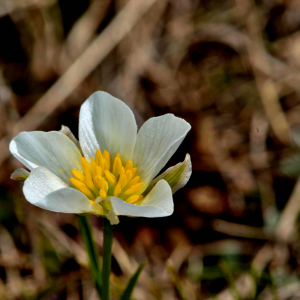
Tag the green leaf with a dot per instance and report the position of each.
(87, 235)
(132, 282)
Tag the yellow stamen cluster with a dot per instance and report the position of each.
(99, 178)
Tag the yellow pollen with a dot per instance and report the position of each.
(110, 177)
(89, 181)
(133, 189)
(129, 165)
(103, 164)
(98, 180)
(105, 176)
(99, 171)
(102, 193)
(106, 156)
(90, 184)
(128, 175)
(87, 169)
(117, 166)
(78, 175)
(122, 171)
(98, 157)
(82, 188)
(102, 184)
(134, 181)
(117, 190)
(133, 199)
(133, 171)
(122, 181)
(93, 166)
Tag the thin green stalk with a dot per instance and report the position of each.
(87, 235)
(106, 263)
(132, 282)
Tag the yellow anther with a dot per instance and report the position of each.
(103, 164)
(101, 182)
(107, 158)
(87, 169)
(99, 171)
(117, 190)
(133, 181)
(117, 166)
(128, 175)
(141, 197)
(133, 199)
(102, 193)
(98, 156)
(133, 189)
(105, 185)
(89, 182)
(122, 181)
(133, 171)
(93, 166)
(110, 177)
(78, 175)
(129, 165)
(83, 188)
(122, 171)
(98, 180)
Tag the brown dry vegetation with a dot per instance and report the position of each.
(231, 69)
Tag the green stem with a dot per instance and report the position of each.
(107, 246)
(87, 235)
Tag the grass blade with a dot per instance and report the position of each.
(106, 260)
(87, 235)
(132, 282)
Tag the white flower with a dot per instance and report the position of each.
(111, 170)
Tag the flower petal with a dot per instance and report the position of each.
(157, 141)
(52, 150)
(19, 174)
(158, 203)
(176, 176)
(106, 123)
(44, 189)
(67, 132)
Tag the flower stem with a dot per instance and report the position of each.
(87, 235)
(107, 246)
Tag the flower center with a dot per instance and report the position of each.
(100, 178)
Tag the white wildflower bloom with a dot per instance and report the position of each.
(111, 170)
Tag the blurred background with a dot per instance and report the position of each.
(231, 69)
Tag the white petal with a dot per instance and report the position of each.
(52, 150)
(176, 176)
(106, 123)
(19, 174)
(157, 141)
(67, 131)
(44, 189)
(158, 203)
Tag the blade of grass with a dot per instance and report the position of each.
(106, 261)
(176, 281)
(87, 235)
(132, 282)
(227, 274)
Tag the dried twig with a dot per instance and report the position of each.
(80, 69)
